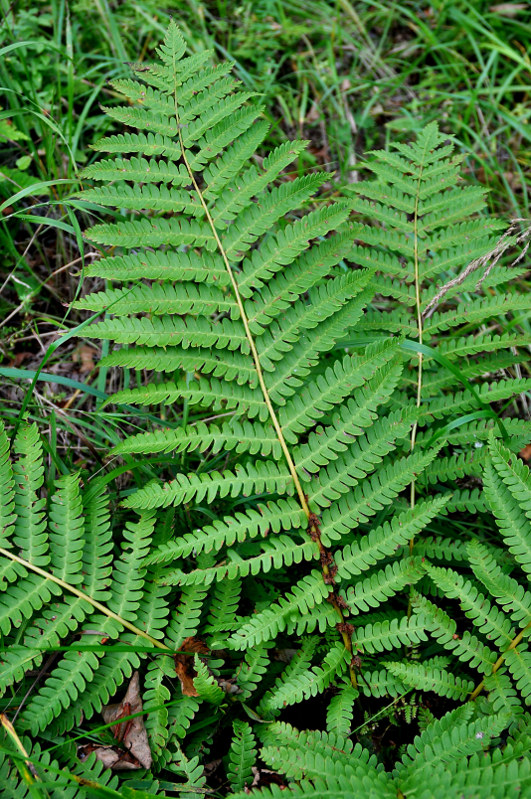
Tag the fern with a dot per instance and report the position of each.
(242, 756)
(422, 240)
(277, 530)
(451, 757)
(497, 604)
(340, 711)
(249, 294)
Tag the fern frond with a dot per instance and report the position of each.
(260, 477)
(367, 550)
(7, 490)
(373, 495)
(476, 605)
(155, 698)
(340, 711)
(206, 684)
(284, 514)
(229, 365)
(292, 611)
(309, 683)
(243, 436)
(336, 384)
(242, 756)
(161, 265)
(298, 665)
(505, 590)
(227, 270)
(467, 647)
(378, 587)
(445, 742)
(280, 551)
(355, 415)
(253, 669)
(224, 601)
(518, 662)
(361, 458)
(184, 621)
(382, 683)
(502, 694)
(500, 488)
(425, 678)
(389, 634)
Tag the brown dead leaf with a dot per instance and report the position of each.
(264, 777)
(184, 663)
(19, 358)
(84, 355)
(508, 9)
(314, 114)
(111, 757)
(525, 453)
(133, 751)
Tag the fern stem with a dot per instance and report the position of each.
(514, 643)
(95, 604)
(420, 334)
(26, 770)
(313, 527)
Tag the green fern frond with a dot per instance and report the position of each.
(392, 633)
(340, 711)
(426, 678)
(206, 685)
(476, 606)
(244, 436)
(184, 621)
(284, 514)
(445, 742)
(502, 694)
(155, 700)
(367, 550)
(297, 666)
(310, 683)
(500, 487)
(260, 477)
(224, 601)
(291, 612)
(280, 551)
(253, 669)
(378, 587)
(421, 239)
(506, 590)
(466, 646)
(242, 756)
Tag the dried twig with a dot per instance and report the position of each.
(488, 261)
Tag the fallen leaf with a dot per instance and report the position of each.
(525, 453)
(264, 777)
(84, 355)
(184, 663)
(133, 751)
(508, 9)
(111, 757)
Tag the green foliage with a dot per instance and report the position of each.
(450, 757)
(277, 531)
(426, 243)
(242, 756)
(284, 302)
(496, 603)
